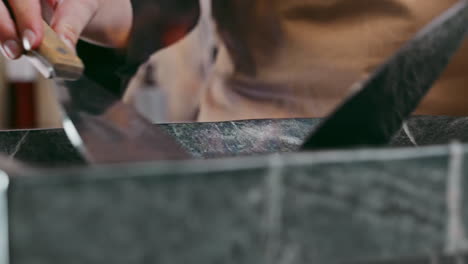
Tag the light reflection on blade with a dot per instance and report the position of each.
(105, 130)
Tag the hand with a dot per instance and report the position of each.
(105, 22)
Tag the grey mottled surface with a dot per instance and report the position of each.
(202, 140)
(208, 140)
(434, 130)
(321, 207)
(295, 208)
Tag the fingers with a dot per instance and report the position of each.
(71, 17)
(28, 19)
(21, 26)
(9, 41)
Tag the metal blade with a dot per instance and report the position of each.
(374, 114)
(105, 130)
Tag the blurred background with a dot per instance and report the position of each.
(27, 100)
(222, 69)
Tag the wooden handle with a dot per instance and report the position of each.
(64, 60)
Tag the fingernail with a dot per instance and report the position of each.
(28, 39)
(12, 49)
(67, 42)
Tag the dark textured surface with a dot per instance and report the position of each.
(174, 218)
(433, 130)
(380, 208)
(322, 207)
(202, 140)
(295, 208)
(40, 147)
(210, 140)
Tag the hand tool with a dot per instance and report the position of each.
(99, 125)
(377, 111)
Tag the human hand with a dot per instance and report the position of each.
(105, 22)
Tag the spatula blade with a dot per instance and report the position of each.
(105, 130)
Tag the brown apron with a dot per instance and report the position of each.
(295, 58)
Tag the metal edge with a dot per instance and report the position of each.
(42, 65)
(74, 136)
(62, 95)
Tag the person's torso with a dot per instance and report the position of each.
(300, 58)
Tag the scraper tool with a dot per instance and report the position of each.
(99, 125)
(373, 115)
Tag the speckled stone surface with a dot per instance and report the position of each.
(321, 207)
(333, 207)
(202, 140)
(39, 147)
(433, 130)
(208, 140)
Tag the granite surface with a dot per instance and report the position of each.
(225, 139)
(40, 147)
(332, 207)
(202, 140)
(256, 207)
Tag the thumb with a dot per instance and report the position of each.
(71, 17)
